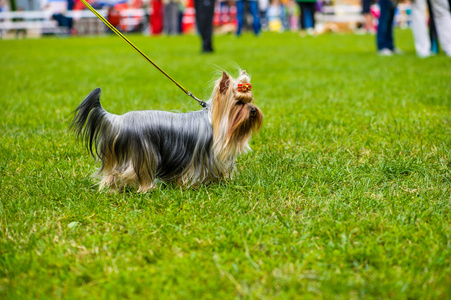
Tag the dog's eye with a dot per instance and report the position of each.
(240, 103)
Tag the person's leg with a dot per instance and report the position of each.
(166, 24)
(432, 29)
(367, 16)
(263, 20)
(303, 8)
(312, 13)
(204, 20)
(442, 17)
(210, 8)
(157, 18)
(308, 17)
(392, 7)
(384, 35)
(239, 16)
(253, 9)
(174, 17)
(419, 28)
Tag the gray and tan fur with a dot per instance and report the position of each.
(190, 148)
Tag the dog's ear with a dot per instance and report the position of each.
(224, 84)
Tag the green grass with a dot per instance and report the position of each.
(346, 194)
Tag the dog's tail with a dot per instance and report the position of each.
(90, 122)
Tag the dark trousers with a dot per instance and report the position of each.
(307, 19)
(432, 29)
(204, 20)
(385, 27)
(240, 15)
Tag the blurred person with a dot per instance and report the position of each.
(204, 20)
(432, 30)
(441, 15)
(63, 21)
(171, 17)
(156, 20)
(263, 6)
(224, 12)
(253, 9)
(367, 16)
(227, 16)
(114, 17)
(307, 19)
(292, 15)
(182, 6)
(275, 16)
(384, 35)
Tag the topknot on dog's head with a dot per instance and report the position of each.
(243, 88)
(243, 78)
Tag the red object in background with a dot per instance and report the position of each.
(137, 4)
(189, 17)
(119, 8)
(114, 17)
(156, 20)
(78, 5)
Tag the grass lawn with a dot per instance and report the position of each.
(346, 194)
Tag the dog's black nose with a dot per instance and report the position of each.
(253, 111)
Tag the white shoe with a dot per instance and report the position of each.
(426, 55)
(385, 52)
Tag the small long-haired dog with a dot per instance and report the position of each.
(185, 148)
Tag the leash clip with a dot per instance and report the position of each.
(202, 103)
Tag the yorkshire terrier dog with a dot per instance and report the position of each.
(139, 147)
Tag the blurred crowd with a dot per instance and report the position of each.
(427, 18)
(178, 16)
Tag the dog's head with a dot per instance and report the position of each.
(234, 115)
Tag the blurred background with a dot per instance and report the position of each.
(37, 18)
